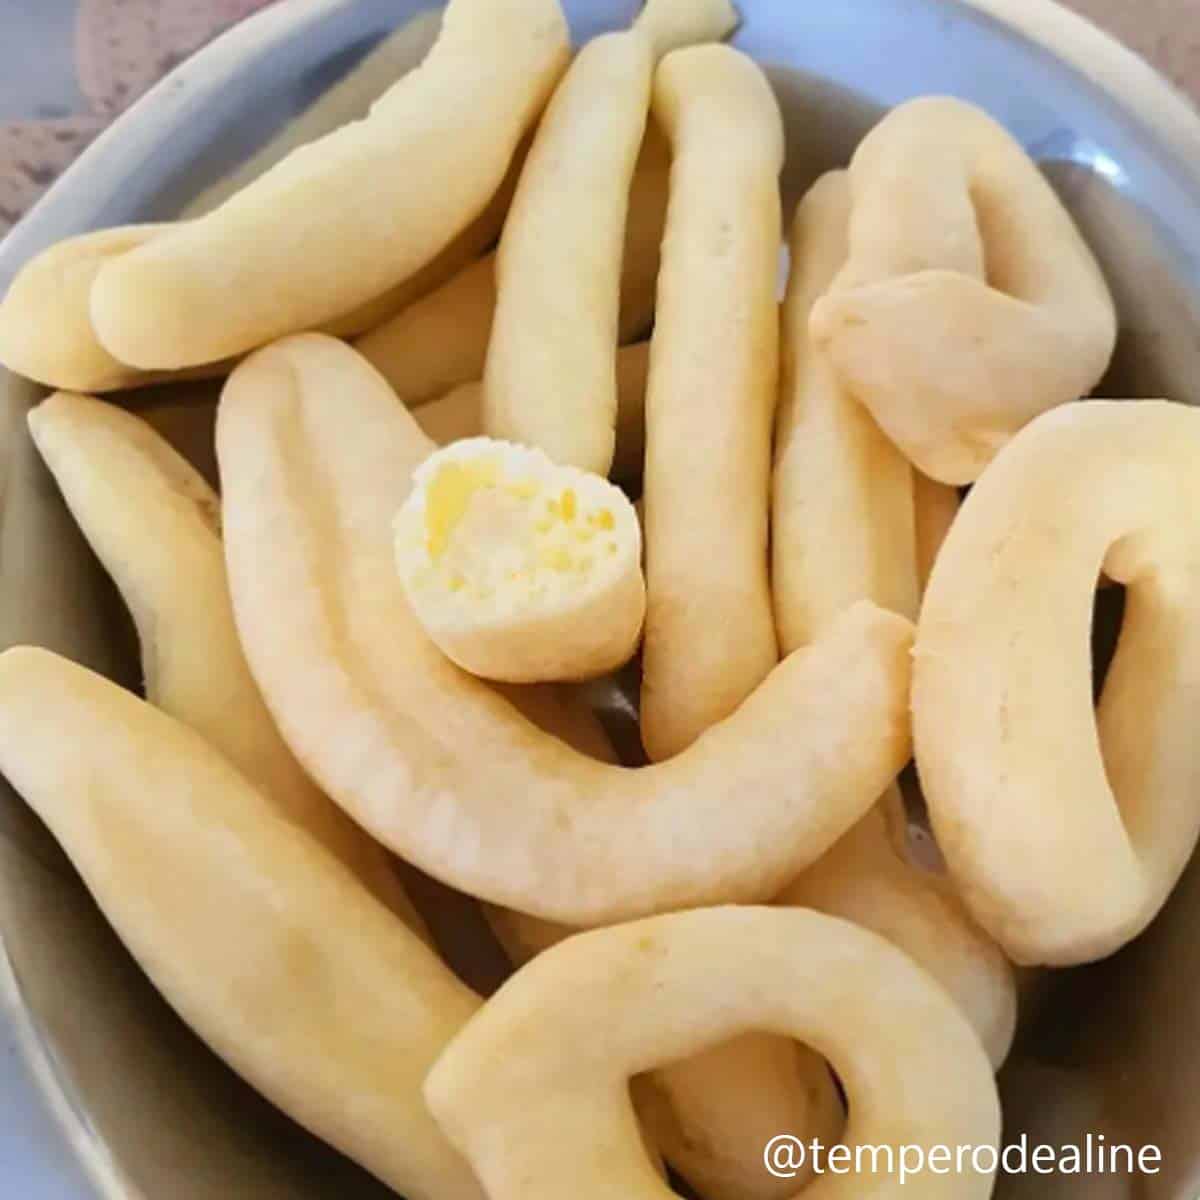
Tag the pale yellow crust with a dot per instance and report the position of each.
(842, 523)
(550, 377)
(459, 413)
(970, 302)
(534, 1090)
(550, 380)
(154, 524)
(845, 530)
(261, 940)
(45, 327)
(710, 399)
(288, 253)
(867, 878)
(46, 331)
(712, 1113)
(442, 340)
(441, 769)
(1066, 827)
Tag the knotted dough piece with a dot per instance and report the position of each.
(444, 771)
(258, 937)
(518, 569)
(1067, 827)
(710, 399)
(289, 252)
(534, 1090)
(970, 302)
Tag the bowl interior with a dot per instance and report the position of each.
(149, 1111)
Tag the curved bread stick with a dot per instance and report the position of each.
(441, 769)
(154, 524)
(289, 252)
(550, 379)
(261, 940)
(1066, 826)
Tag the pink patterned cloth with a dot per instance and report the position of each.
(121, 48)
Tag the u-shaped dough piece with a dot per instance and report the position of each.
(845, 531)
(550, 379)
(1065, 827)
(288, 252)
(970, 303)
(439, 767)
(261, 940)
(154, 524)
(712, 1113)
(534, 1090)
(710, 400)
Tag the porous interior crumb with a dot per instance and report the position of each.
(498, 527)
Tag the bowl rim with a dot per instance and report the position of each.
(1129, 81)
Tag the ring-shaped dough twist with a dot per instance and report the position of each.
(970, 302)
(534, 1091)
(1066, 827)
(441, 340)
(438, 766)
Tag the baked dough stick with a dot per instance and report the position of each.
(1066, 827)
(970, 302)
(550, 380)
(535, 1089)
(154, 524)
(46, 329)
(444, 771)
(842, 523)
(261, 940)
(343, 219)
(442, 340)
(710, 635)
(459, 414)
(844, 532)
